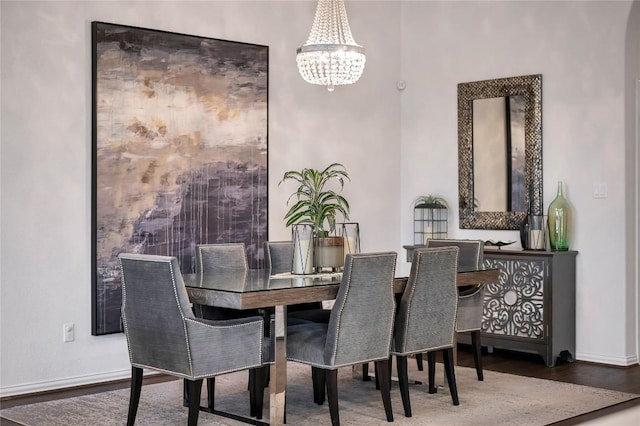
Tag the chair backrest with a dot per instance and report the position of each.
(361, 322)
(427, 312)
(471, 251)
(278, 256)
(220, 258)
(154, 306)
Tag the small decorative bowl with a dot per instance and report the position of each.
(498, 244)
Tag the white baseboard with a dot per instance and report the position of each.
(68, 382)
(603, 359)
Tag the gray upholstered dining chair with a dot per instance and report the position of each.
(221, 258)
(426, 317)
(278, 259)
(278, 256)
(470, 298)
(164, 335)
(355, 333)
(216, 259)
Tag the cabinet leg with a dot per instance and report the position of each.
(566, 356)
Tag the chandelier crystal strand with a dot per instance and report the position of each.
(330, 57)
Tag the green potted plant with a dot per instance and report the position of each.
(430, 201)
(318, 202)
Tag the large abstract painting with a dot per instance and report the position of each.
(179, 151)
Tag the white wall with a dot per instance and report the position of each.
(46, 157)
(632, 157)
(396, 145)
(579, 48)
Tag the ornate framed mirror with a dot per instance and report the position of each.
(499, 151)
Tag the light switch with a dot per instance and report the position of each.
(68, 332)
(600, 190)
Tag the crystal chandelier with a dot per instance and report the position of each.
(330, 57)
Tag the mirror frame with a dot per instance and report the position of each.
(530, 87)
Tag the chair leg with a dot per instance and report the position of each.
(195, 390)
(262, 379)
(451, 375)
(385, 387)
(419, 362)
(365, 372)
(134, 398)
(476, 346)
(377, 375)
(318, 376)
(252, 392)
(431, 362)
(211, 393)
(256, 394)
(332, 395)
(185, 393)
(403, 383)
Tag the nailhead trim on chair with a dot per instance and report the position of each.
(184, 327)
(348, 283)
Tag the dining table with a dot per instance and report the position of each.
(257, 288)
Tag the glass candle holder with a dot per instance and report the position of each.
(537, 233)
(350, 232)
(302, 237)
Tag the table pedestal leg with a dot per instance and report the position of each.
(278, 380)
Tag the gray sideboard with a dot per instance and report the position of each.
(532, 308)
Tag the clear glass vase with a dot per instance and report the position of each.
(559, 222)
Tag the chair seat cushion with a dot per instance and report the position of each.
(313, 315)
(294, 320)
(469, 315)
(306, 342)
(218, 313)
(304, 306)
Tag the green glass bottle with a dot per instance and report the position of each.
(559, 221)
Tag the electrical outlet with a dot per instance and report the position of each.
(68, 332)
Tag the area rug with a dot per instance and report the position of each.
(501, 399)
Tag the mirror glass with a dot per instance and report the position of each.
(500, 151)
(498, 154)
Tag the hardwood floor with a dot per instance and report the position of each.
(623, 379)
